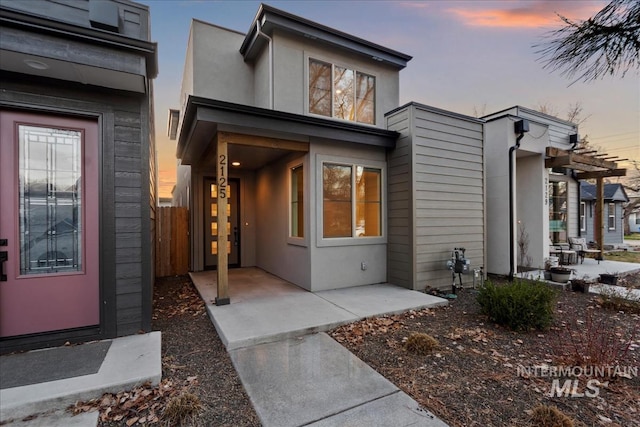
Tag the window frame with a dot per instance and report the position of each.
(583, 216)
(356, 71)
(611, 218)
(354, 240)
(295, 240)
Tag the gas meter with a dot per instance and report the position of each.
(458, 264)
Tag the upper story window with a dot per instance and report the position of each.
(612, 216)
(340, 92)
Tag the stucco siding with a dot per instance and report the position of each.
(273, 252)
(291, 55)
(219, 71)
(337, 263)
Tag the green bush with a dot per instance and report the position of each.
(521, 305)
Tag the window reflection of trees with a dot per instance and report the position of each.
(558, 211)
(337, 201)
(348, 94)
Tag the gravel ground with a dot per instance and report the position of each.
(191, 347)
(471, 378)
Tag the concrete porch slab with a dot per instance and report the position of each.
(377, 300)
(130, 361)
(590, 269)
(310, 379)
(265, 308)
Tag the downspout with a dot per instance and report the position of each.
(573, 140)
(574, 175)
(270, 40)
(521, 127)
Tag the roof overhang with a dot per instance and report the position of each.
(587, 165)
(269, 18)
(67, 69)
(204, 118)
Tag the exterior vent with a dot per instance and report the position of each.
(103, 14)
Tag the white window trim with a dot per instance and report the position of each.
(609, 216)
(583, 217)
(334, 62)
(292, 240)
(322, 241)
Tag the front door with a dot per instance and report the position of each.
(211, 244)
(48, 223)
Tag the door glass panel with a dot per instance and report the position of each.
(50, 200)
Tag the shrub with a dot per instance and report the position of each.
(594, 341)
(520, 305)
(420, 343)
(615, 300)
(550, 416)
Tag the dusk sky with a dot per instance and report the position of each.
(468, 57)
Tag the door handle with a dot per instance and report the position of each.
(4, 256)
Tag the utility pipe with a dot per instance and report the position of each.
(512, 232)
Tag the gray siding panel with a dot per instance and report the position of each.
(399, 207)
(449, 195)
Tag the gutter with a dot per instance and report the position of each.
(260, 33)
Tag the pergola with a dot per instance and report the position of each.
(589, 164)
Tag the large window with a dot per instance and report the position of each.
(558, 211)
(612, 216)
(297, 202)
(352, 201)
(341, 92)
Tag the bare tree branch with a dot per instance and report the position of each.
(606, 44)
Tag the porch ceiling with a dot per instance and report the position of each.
(587, 164)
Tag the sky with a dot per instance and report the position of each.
(471, 57)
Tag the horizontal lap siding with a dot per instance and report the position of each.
(128, 220)
(449, 194)
(399, 203)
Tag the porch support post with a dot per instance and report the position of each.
(222, 163)
(598, 229)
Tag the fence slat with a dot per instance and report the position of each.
(172, 241)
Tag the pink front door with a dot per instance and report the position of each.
(49, 220)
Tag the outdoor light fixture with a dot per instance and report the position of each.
(521, 126)
(235, 163)
(36, 65)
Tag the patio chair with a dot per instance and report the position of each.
(579, 244)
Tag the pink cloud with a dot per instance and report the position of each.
(532, 14)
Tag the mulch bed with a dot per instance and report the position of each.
(472, 378)
(194, 363)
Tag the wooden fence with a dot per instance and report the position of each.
(172, 241)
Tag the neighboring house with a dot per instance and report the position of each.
(614, 199)
(78, 172)
(328, 182)
(634, 222)
(164, 202)
(544, 205)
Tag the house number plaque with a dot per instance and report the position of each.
(222, 178)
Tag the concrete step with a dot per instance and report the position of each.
(58, 419)
(129, 362)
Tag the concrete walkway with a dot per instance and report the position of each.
(297, 377)
(590, 269)
(129, 362)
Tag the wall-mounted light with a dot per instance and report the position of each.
(235, 164)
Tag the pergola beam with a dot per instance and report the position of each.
(601, 174)
(575, 160)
